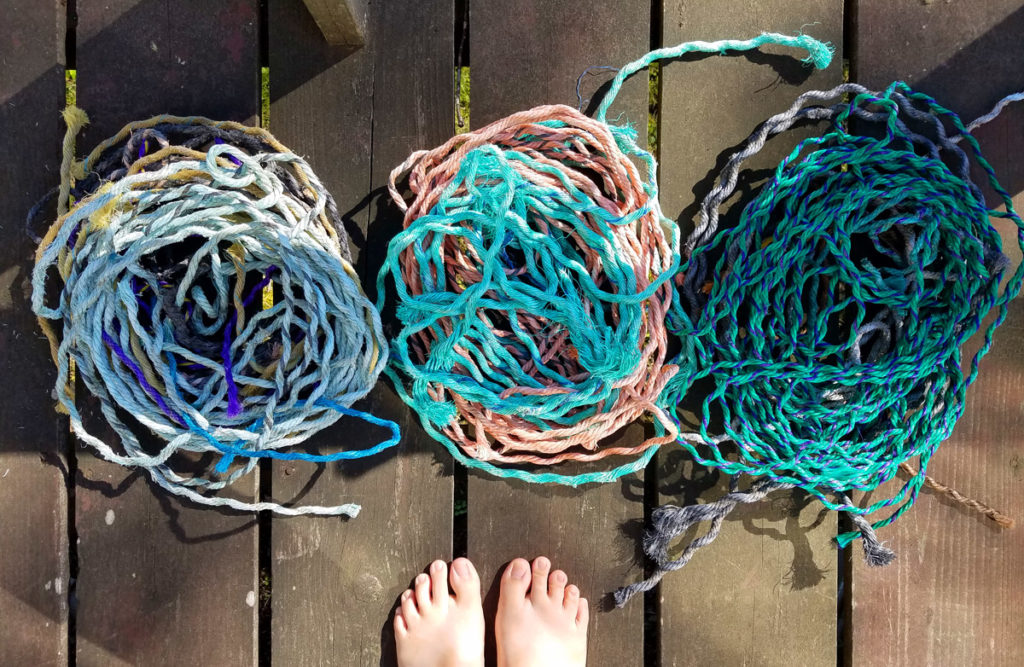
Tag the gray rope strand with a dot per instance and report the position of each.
(670, 521)
(996, 110)
(876, 554)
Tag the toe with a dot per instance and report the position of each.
(571, 601)
(409, 612)
(556, 586)
(401, 629)
(465, 582)
(583, 615)
(515, 581)
(439, 584)
(539, 585)
(421, 591)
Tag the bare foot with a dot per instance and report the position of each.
(435, 629)
(545, 626)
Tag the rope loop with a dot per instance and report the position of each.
(201, 287)
(532, 280)
(830, 321)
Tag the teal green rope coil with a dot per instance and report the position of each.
(152, 288)
(830, 320)
(532, 281)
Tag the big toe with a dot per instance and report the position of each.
(515, 581)
(465, 582)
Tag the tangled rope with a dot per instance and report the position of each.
(533, 281)
(831, 318)
(153, 285)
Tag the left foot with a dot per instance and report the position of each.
(436, 629)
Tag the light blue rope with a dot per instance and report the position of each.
(149, 303)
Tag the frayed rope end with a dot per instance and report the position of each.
(75, 118)
(819, 54)
(877, 554)
(1003, 521)
(621, 597)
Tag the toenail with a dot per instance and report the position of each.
(461, 568)
(437, 566)
(573, 591)
(542, 563)
(519, 570)
(559, 577)
(406, 595)
(421, 578)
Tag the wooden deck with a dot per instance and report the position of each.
(97, 567)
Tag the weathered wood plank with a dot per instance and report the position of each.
(161, 582)
(525, 53)
(33, 438)
(340, 21)
(765, 591)
(953, 596)
(335, 583)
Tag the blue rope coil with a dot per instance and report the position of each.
(200, 285)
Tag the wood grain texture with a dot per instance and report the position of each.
(335, 583)
(161, 582)
(764, 592)
(953, 597)
(340, 21)
(33, 439)
(525, 53)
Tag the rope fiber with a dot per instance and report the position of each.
(830, 320)
(532, 280)
(152, 285)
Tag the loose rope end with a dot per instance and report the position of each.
(1004, 521)
(877, 554)
(819, 53)
(624, 594)
(999, 518)
(75, 119)
(224, 464)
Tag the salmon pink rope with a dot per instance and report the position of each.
(533, 277)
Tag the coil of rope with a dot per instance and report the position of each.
(831, 318)
(152, 282)
(532, 281)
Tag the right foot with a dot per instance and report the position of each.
(540, 620)
(436, 629)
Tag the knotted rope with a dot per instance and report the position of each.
(831, 318)
(152, 285)
(533, 280)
